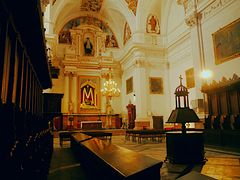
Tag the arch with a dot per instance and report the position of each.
(111, 40)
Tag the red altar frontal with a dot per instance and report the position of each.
(91, 121)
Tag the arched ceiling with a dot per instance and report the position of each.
(113, 12)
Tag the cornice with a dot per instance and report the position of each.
(139, 50)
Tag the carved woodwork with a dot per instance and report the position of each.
(131, 115)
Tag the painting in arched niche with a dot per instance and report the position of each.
(127, 33)
(152, 25)
(65, 37)
(88, 95)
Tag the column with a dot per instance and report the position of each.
(193, 20)
(66, 93)
(141, 90)
(74, 93)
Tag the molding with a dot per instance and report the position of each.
(214, 7)
(138, 50)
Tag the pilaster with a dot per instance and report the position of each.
(66, 92)
(74, 93)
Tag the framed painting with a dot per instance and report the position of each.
(226, 42)
(156, 85)
(129, 85)
(190, 78)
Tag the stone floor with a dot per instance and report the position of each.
(222, 165)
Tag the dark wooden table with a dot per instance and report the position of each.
(80, 137)
(114, 162)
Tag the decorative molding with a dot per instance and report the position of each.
(193, 19)
(224, 83)
(195, 10)
(213, 7)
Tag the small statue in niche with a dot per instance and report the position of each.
(153, 23)
(88, 47)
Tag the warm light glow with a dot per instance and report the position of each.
(110, 89)
(206, 74)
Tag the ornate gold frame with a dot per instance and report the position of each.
(129, 85)
(225, 42)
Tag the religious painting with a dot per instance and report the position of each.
(129, 85)
(156, 85)
(152, 25)
(226, 42)
(89, 93)
(64, 35)
(132, 5)
(53, 2)
(91, 5)
(111, 41)
(127, 33)
(190, 78)
(88, 44)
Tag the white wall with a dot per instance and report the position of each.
(217, 20)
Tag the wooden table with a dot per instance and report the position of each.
(114, 162)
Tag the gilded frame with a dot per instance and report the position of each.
(226, 42)
(129, 85)
(190, 79)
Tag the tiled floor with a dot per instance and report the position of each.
(219, 165)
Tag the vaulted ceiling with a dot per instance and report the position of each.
(115, 13)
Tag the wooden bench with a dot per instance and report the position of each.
(109, 161)
(139, 135)
(65, 136)
(75, 140)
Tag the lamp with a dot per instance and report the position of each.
(110, 90)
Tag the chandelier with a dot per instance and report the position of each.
(109, 90)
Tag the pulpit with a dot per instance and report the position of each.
(184, 146)
(131, 115)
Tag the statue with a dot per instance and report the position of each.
(153, 23)
(70, 108)
(88, 47)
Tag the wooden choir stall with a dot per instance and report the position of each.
(222, 125)
(27, 143)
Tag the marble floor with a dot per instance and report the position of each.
(222, 165)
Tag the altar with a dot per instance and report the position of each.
(91, 121)
(86, 125)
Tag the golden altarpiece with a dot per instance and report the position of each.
(84, 41)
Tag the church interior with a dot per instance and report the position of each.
(120, 89)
